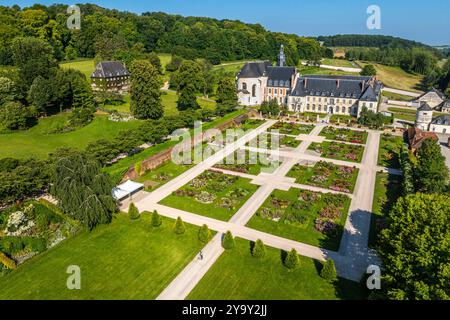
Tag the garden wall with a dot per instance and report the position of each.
(162, 157)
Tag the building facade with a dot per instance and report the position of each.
(343, 95)
(433, 98)
(111, 76)
(426, 122)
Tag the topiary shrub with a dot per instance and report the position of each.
(228, 241)
(179, 227)
(204, 234)
(7, 262)
(259, 250)
(292, 261)
(156, 219)
(328, 271)
(133, 212)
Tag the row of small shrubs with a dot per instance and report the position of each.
(292, 260)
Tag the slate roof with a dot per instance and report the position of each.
(442, 120)
(438, 92)
(444, 105)
(254, 69)
(280, 76)
(424, 107)
(336, 86)
(110, 69)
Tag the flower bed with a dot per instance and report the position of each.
(346, 135)
(326, 175)
(304, 216)
(338, 151)
(249, 162)
(291, 128)
(389, 153)
(212, 194)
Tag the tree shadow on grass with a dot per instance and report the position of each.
(332, 239)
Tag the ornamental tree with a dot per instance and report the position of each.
(156, 219)
(259, 250)
(228, 242)
(292, 261)
(133, 212)
(328, 271)
(179, 227)
(204, 234)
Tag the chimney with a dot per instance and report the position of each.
(305, 82)
(338, 82)
(362, 85)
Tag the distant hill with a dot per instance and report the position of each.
(378, 41)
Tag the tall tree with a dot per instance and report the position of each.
(188, 81)
(33, 57)
(83, 191)
(415, 249)
(227, 99)
(145, 91)
(431, 172)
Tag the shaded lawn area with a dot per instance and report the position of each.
(389, 153)
(118, 169)
(345, 135)
(238, 276)
(124, 260)
(212, 194)
(38, 141)
(291, 128)
(338, 151)
(326, 175)
(248, 162)
(295, 214)
(387, 191)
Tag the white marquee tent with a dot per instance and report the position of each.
(126, 190)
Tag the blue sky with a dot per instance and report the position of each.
(424, 21)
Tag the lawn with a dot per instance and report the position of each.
(341, 119)
(389, 153)
(309, 70)
(213, 195)
(395, 77)
(38, 141)
(86, 67)
(326, 175)
(123, 260)
(345, 135)
(396, 96)
(338, 63)
(309, 217)
(153, 179)
(291, 128)
(338, 151)
(387, 191)
(238, 276)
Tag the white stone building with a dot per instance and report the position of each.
(426, 122)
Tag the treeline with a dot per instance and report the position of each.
(107, 33)
(376, 41)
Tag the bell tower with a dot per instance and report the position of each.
(281, 57)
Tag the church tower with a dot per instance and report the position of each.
(281, 57)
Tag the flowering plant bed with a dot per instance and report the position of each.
(291, 128)
(338, 151)
(326, 175)
(212, 194)
(310, 217)
(346, 135)
(249, 162)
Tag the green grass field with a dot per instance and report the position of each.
(123, 260)
(395, 77)
(338, 63)
(239, 276)
(87, 67)
(37, 142)
(396, 96)
(389, 153)
(387, 191)
(308, 70)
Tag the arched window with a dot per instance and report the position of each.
(343, 109)
(254, 90)
(244, 86)
(337, 109)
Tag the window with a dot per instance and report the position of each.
(337, 109)
(343, 109)
(270, 91)
(319, 109)
(307, 107)
(314, 107)
(244, 86)
(254, 90)
(276, 91)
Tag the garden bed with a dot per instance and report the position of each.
(338, 151)
(213, 195)
(326, 175)
(291, 128)
(266, 140)
(345, 135)
(252, 163)
(305, 216)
